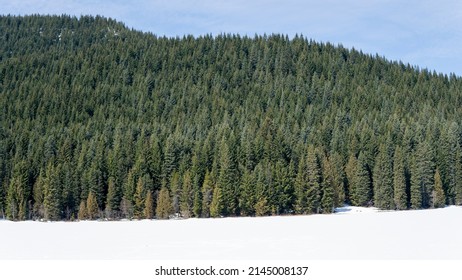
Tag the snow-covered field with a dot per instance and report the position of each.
(352, 233)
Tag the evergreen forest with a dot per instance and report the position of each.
(100, 121)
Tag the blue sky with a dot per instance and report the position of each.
(423, 33)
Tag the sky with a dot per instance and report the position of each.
(423, 33)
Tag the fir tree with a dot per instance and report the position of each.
(51, 191)
(186, 196)
(438, 198)
(314, 182)
(113, 198)
(82, 211)
(92, 207)
(422, 177)
(351, 171)
(164, 206)
(227, 180)
(207, 192)
(216, 206)
(362, 188)
(149, 206)
(247, 195)
(383, 181)
(139, 199)
(399, 180)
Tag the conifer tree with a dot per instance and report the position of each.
(92, 207)
(82, 215)
(399, 180)
(261, 207)
(113, 198)
(149, 206)
(333, 178)
(227, 180)
(207, 192)
(362, 189)
(175, 191)
(38, 195)
(301, 186)
(383, 181)
(314, 181)
(197, 203)
(18, 193)
(350, 171)
(164, 206)
(438, 198)
(216, 206)
(422, 176)
(247, 195)
(450, 149)
(139, 199)
(51, 191)
(186, 202)
(458, 183)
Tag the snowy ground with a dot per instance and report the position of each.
(352, 233)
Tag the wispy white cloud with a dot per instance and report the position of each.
(426, 33)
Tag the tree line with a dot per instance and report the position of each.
(99, 121)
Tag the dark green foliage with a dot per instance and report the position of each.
(422, 176)
(51, 194)
(18, 193)
(438, 198)
(362, 195)
(383, 180)
(90, 106)
(227, 180)
(399, 180)
(164, 205)
(207, 192)
(308, 183)
(216, 205)
(139, 199)
(92, 206)
(149, 206)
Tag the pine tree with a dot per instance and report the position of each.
(38, 195)
(458, 183)
(18, 193)
(314, 181)
(51, 190)
(164, 206)
(448, 157)
(333, 178)
(362, 188)
(350, 171)
(114, 196)
(149, 206)
(139, 200)
(383, 181)
(438, 198)
(261, 207)
(301, 186)
(399, 180)
(186, 201)
(175, 191)
(422, 177)
(82, 211)
(207, 192)
(247, 195)
(92, 207)
(216, 206)
(227, 180)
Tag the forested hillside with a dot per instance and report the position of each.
(100, 121)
